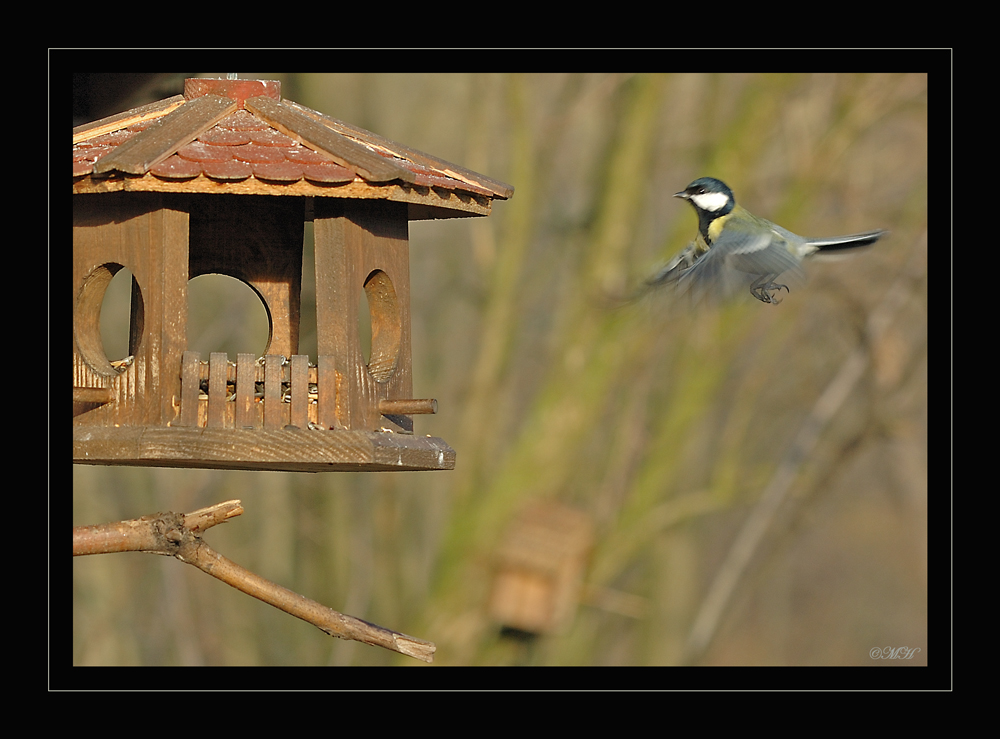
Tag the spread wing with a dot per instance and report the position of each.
(738, 257)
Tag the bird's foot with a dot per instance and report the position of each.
(766, 293)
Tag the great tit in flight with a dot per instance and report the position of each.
(735, 248)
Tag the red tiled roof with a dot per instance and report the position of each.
(227, 131)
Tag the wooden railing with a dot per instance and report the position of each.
(270, 393)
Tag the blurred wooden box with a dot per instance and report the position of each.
(540, 568)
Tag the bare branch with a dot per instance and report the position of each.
(738, 557)
(205, 518)
(179, 535)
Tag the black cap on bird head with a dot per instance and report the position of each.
(710, 198)
(707, 186)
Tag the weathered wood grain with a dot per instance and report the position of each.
(299, 450)
(373, 167)
(156, 143)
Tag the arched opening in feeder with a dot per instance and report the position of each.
(109, 318)
(364, 327)
(226, 314)
(386, 325)
(115, 315)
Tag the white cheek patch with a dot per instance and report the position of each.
(711, 201)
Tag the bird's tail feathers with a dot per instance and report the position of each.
(840, 243)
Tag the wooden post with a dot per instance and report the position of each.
(147, 233)
(363, 245)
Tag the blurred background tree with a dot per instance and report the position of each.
(661, 426)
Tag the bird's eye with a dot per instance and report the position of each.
(701, 191)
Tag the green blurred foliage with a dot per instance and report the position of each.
(663, 425)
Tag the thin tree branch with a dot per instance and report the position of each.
(179, 535)
(748, 540)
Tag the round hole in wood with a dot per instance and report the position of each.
(108, 317)
(226, 314)
(364, 327)
(383, 307)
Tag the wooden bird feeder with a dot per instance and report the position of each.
(222, 180)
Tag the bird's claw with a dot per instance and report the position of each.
(765, 293)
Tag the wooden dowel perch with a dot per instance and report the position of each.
(179, 535)
(99, 395)
(407, 407)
